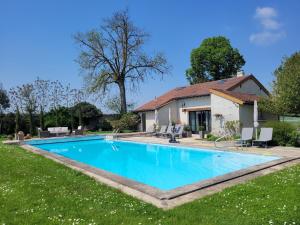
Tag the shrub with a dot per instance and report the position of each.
(187, 128)
(232, 127)
(105, 125)
(128, 121)
(211, 137)
(283, 133)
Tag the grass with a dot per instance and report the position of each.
(36, 190)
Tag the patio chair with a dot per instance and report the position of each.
(247, 135)
(162, 130)
(43, 133)
(168, 131)
(264, 137)
(178, 130)
(78, 131)
(150, 129)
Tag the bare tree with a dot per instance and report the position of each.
(77, 97)
(114, 104)
(25, 97)
(42, 88)
(29, 102)
(56, 97)
(113, 55)
(15, 100)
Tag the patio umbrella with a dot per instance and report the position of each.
(170, 120)
(155, 116)
(255, 117)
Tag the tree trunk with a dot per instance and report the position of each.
(72, 119)
(1, 121)
(17, 121)
(56, 117)
(80, 116)
(42, 122)
(30, 122)
(121, 85)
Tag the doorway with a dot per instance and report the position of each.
(200, 118)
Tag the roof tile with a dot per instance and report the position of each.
(193, 91)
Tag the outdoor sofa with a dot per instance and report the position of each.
(58, 131)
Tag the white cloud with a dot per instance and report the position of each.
(271, 28)
(267, 17)
(266, 37)
(265, 12)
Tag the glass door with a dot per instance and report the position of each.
(200, 118)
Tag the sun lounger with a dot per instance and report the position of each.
(168, 131)
(150, 129)
(264, 137)
(162, 130)
(247, 135)
(78, 131)
(178, 131)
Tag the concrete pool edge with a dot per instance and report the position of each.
(157, 197)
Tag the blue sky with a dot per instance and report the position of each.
(36, 36)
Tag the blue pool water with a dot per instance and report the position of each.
(161, 166)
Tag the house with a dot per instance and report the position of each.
(208, 104)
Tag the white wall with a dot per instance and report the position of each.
(163, 113)
(250, 87)
(228, 109)
(203, 101)
(150, 119)
(246, 115)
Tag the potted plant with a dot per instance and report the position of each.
(201, 130)
(187, 130)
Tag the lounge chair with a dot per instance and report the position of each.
(247, 135)
(264, 137)
(168, 131)
(78, 131)
(178, 131)
(150, 129)
(43, 133)
(162, 130)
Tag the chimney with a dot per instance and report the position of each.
(240, 73)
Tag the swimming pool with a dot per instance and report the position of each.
(161, 166)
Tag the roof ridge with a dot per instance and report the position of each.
(195, 90)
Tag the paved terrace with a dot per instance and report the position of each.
(197, 143)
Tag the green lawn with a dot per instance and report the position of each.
(36, 190)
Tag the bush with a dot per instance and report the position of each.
(283, 133)
(128, 121)
(232, 127)
(211, 137)
(105, 125)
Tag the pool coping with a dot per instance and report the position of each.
(155, 196)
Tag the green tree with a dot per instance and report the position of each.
(214, 59)
(87, 114)
(114, 56)
(285, 97)
(77, 96)
(4, 104)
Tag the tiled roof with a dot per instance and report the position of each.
(237, 97)
(194, 91)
